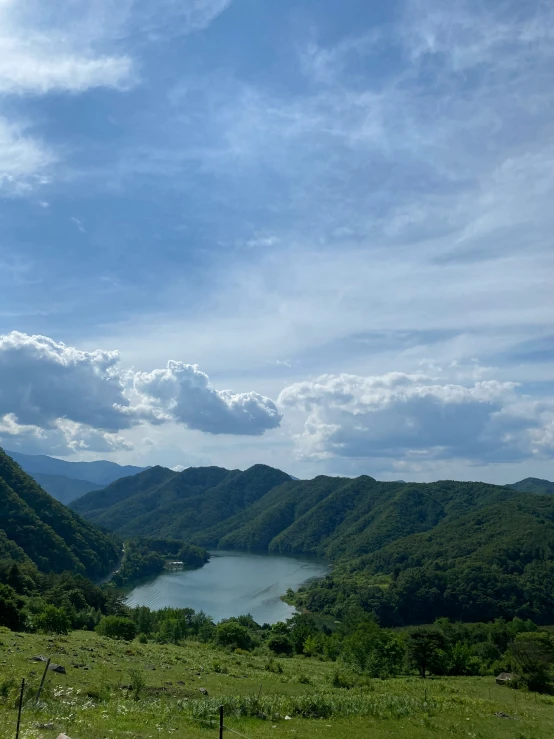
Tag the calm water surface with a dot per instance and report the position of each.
(231, 584)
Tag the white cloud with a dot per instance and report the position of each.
(42, 381)
(58, 398)
(185, 394)
(22, 159)
(177, 17)
(42, 50)
(413, 418)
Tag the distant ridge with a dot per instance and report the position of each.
(67, 481)
(101, 472)
(64, 489)
(534, 485)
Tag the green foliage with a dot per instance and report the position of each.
(36, 528)
(147, 557)
(377, 652)
(137, 682)
(533, 655)
(425, 648)
(52, 620)
(159, 502)
(281, 644)
(233, 634)
(117, 627)
(10, 608)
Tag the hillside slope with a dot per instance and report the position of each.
(34, 526)
(533, 485)
(159, 502)
(64, 489)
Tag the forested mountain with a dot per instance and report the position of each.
(101, 473)
(35, 527)
(407, 551)
(160, 502)
(64, 488)
(534, 485)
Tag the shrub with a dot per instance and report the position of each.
(143, 639)
(137, 682)
(52, 620)
(280, 644)
(233, 634)
(117, 627)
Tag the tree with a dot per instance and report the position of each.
(423, 647)
(378, 652)
(117, 627)
(280, 644)
(10, 608)
(233, 634)
(52, 620)
(533, 653)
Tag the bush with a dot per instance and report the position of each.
(52, 620)
(340, 680)
(143, 639)
(232, 634)
(117, 627)
(280, 644)
(137, 682)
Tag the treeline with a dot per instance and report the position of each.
(31, 600)
(359, 647)
(147, 557)
(420, 594)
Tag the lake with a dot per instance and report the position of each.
(232, 584)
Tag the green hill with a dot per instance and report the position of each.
(35, 527)
(410, 552)
(159, 502)
(64, 489)
(534, 485)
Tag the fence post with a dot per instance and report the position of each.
(42, 681)
(19, 711)
(220, 722)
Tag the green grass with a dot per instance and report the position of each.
(93, 703)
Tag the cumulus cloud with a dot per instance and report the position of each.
(58, 398)
(413, 417)
(185, 394)
(42, 380)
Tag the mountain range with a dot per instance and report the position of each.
(469, 550)
(66, 481)
(408, 552)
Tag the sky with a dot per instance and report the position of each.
(316, 235)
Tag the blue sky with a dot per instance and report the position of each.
(312, 234)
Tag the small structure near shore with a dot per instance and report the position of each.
(505, 678)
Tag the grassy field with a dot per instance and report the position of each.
(94, 700)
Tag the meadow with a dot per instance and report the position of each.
(131, 690)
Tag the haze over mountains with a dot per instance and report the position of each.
(66, 481)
